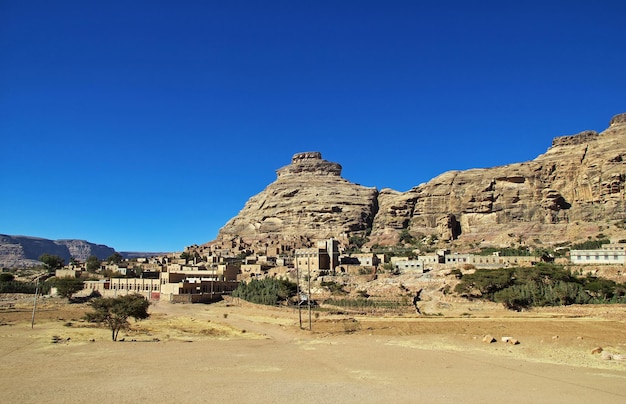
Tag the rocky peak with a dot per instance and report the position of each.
(309, 201)
(309, 163)
(619, 119)
(579, 138)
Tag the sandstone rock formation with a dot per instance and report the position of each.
(21, 251)
(309, 200)
(578, 181)
(577, 186)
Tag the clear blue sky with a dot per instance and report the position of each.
(146, 125)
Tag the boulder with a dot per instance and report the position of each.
(510, 340)
(488, 339)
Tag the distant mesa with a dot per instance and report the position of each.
(24, 251)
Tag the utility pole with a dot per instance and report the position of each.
(308, 298)
(32, 321)
(298, 293)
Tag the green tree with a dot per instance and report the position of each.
(115, 258)
(6, 277)
(484, 282)
(66, 287)
(93, 263)
(115, 311)
(52, 262)
(356, 242)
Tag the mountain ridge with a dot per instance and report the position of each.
(18, 251)
(566, 193)
(573, 191)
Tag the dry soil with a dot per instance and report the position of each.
(239, 352)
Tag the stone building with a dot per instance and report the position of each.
(324, 257)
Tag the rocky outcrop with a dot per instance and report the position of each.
(308, 200)
(580, 179)
(448, 228)
(22, 251)
(395, 210)
(81, 249)
(619, 119)
(580, 138)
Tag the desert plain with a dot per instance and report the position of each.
(234, 351)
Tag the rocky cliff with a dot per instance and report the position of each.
(308, 200)
(22, 251)
(573, 191)
(577, 184)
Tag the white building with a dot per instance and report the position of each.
(409, 266)
(609, 254)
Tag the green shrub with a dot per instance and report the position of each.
(269, 291)
(590, 244)
(333, 287)
(521, 251)
(23, 287)
(66, 287)
(543, 285)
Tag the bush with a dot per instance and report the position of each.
(590, 244)
(23, 287)
(333, 287)
(66, 287)
(362, 302)
(521, 251)
(269, 291)
(543, 285)
(484, 283)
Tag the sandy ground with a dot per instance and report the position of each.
(240, 352)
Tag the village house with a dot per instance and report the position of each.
(113, 287)
(198, 286)
(323, 258)
(363, 259)
(189, 286)
(614, 253)
(409, 266)
(69, 272)
(255, 270)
